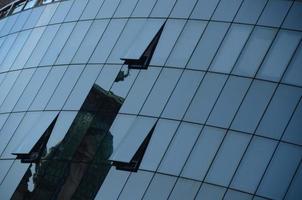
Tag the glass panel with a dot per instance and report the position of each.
(231, 95)
(161, 92)
(16, 91)
(162, 8)
(22, 19)
(184, 189)
(31, 89)
(185, 44)
(47, 14)
(292, 20)
(280, 171)
(65, 87)
(3, 118)
(82, 87)
(274, 13)
(205, 97)
(134, 138)
(293, 130)
(279, 111)
(5, 167)
(48, 87)
(295, 191)
(203, 153)
(235, 195)
(90, 41)
(108, 40)
(294, 71)
(73, 42)
(108, 76)
(180, 148)
(61, 12)
(253, 164)
(183, 94)
(183, 8)
(76, 10)
(140, 90)
(250, 11)
(204, 9)
(5, 47)
(212, 192)
(230, 48)
(91, 9)
(254, 51)
(27, 49)
(167, 40)
(7, 84)
(208, 45)
(227, 158)
(143, 8)
(108, 8)
(57, 44)
(42, 46)
(125, 8)
(160, 187)
(226, 10)
(279, 55)
(34, 17)
(30, 4)
(253, 106)
(10, 21)
(136, 185)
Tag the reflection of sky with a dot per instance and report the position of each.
(31, 185)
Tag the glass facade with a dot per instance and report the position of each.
(151, 99)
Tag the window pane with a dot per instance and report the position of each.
(107, 76)
(279, 55)
(292, 20)
(161, 91)
(143, 8)
(47, 14)
(22, 18)
(7, 84)
(162, 8)
(61, 12)
(179, 148)
(231, 95)
(5, 47)
(295, 191)
(76, 10)
(226, 10)
(230, 48)
(235, 195)
(10, 21)
(253, 164)
(108, 8)
(91, 9)
(203, 153)
(227, 158)
(212, 192)
(184, 189)
(250, 11)
(183, 8)
(125, 8)
(34, 17)
(208, 45)
(254, 51)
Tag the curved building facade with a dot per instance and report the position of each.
(151, 99)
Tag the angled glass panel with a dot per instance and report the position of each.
(31, 89)
(161, 137)
(61, 12)
(279, 111)
(293, 73)
(184, 189)
(167, 40)
(226, 10)
(230, 48)
(135, 136)
(5, 167)
(227, 158)
(73, 42)
(253, 106)
(208, 45)
(250, 11)
(204, 9)
(186, 43)
(274, 13)
(10, 21)
(162, 8)
(235, 195)
(295, 191)
(82, 87)
(183, 8)
(57, 44)
(48, 87)
(160, 187)
(42, 46)
(292, 20)
(205, 97)
(34, 17)
(203, 153)
(76, 10)
(179, 149)
(3, 118)
(113, 184)
(107, 76)
(65, 87)
(136, 185)
(232, 95)
(7, 84)
(108, 40)
(125, 8)
(254, 51)
(293, 130)
(280, 171)
(279, 55)
(28, 47)
(30, 4)
(22, 18)
(16, 91)
(161, 92)
(91, 9)
(5, 47)
(182, 94)
(140, 90)
(47, 14)
(108, 9)
(90, 41)
(212, 192)
(253, 164)
(143, 8)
